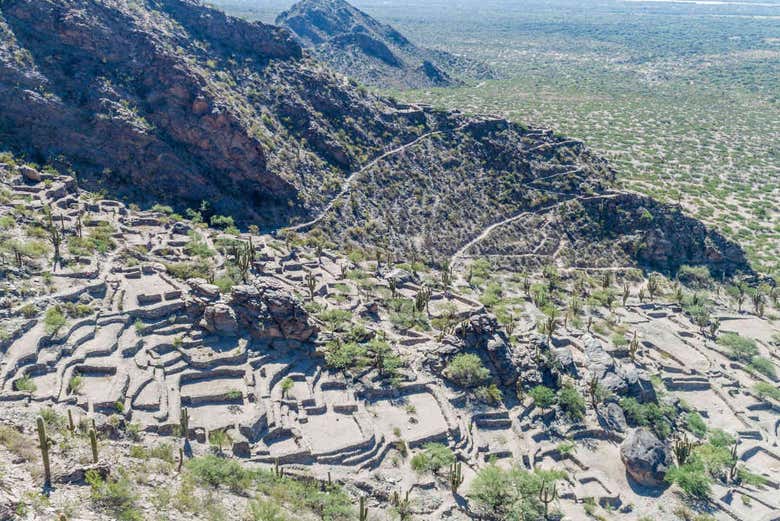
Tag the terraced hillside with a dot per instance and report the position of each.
(228, 375)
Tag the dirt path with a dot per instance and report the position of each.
(487, 231)
(348, 182)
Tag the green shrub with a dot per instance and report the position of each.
(466, 369)
(214, 471)
(696, 424)
(187, 270)
(25, 384)
(543, 396)
(115, 496)
(697, 277)
(572, 402)
(53, 320)
(765, 390)
(489, 394)
(692, 478)
(260, 510)
(75, 384)
(657, 417)
(764, 366)
(492, 295)
(345, 355)
(433, 458)
(335, 318)
(222, 221)
(742, 349)
(499, 493)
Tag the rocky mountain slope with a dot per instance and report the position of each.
(170, 101)
(357, 45)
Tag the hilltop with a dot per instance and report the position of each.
(373, 53)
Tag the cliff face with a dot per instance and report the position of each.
(373, 53)
(170, 101)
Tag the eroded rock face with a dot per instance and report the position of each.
(646, 458)
(620, 379)
(268, 311)
(219, 319)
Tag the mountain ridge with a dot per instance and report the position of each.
(374, 53)
(177, 103)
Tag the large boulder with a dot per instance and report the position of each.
(219, 319)
(620, 379)
(268, 310)
(646, 458)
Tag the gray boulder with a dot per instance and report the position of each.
(615, 418)
(269, 311)
(646, 458)
(219, 319)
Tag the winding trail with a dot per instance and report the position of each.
(347, 188)
(487, 231)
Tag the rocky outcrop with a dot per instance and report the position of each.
(646, 458)
(268, 311)
(373, 53)
(181, 104)
(620, 379)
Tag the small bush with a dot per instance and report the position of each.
(696, 424)
(697, 277)
(489, 394)
(25, 384)
(114, 495)
(657, 417)
(572, 402)
(75, 384)
(433, 458)
(264, 511)
(466, 369)
(53, 320)
(742, 349)
(18, 443)
(214, 471)
(764, 366)
(692, 478)
(543, 396)
(765, 390)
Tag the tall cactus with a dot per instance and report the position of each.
(184, 423)
(93, 443)
(71, 425)
(455, 477)
(311, 283)
(278, 471)
(547, 494)
(363, 509)
(45, 443)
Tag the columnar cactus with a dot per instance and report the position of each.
(185, 423)
(455, 477)
(547, 494)
(93, 443)
(45, 443)
(363, 509)
(71, 425)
